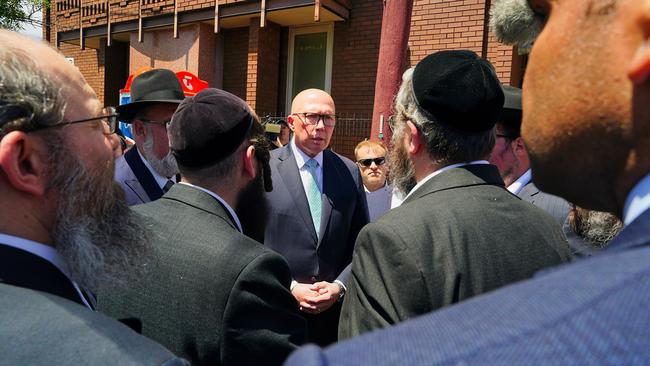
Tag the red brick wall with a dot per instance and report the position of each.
(454, 24)
(91, 64)
(235, 60)
(354, 70)
(268, 68)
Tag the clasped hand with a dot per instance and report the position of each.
(316, 298)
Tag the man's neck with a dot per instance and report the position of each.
(225, 191)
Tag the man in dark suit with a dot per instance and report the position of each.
(585, 145)
(211, 293)
(147, 170)
(64, 225)
(511, 158)
(317, 208)
(458, 233)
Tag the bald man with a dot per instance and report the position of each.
(317, 208)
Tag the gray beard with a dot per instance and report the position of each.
(597, 227)
(402, 172)
(100, 239)
(166, 167)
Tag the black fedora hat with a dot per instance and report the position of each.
(154, 86)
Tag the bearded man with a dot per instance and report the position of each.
(458, 233)
(64, 226)
(148, 170)
(587, 129)
(211, 293)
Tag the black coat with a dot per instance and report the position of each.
(210, 293)
(457, 236)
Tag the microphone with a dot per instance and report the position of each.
(514, 22)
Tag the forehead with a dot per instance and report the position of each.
(313, 101)
(371, 151)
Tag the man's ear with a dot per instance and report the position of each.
(139, 128)
(24, 161)
(639, 68)
(250, 163)
(415, 144)
(518, 146)
(290, 122)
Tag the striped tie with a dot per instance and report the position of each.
(313, 194)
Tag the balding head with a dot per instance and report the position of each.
(78, 95)
(312, 120)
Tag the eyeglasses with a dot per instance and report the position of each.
(153, 122)
(368, 162)
(329, 120)
(109, 117)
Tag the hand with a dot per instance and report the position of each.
(302, 292)
(328, 294)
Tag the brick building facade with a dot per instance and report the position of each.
(265, 50)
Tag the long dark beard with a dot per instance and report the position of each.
(253, 208)
(101, 240)
(402, 172)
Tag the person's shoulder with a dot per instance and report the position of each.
(39, 328)
(523, 321)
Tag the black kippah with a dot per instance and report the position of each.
(208, 127)
(458, 89)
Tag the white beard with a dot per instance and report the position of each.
(167, 166)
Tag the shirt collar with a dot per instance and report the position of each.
(638, 200)
(519, 184)
(218, 198)
(159, 178)
(441, 170)
(46, 252)
(302, 158)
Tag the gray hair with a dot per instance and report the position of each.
(445, 146)
(514, 22)
(29, 99)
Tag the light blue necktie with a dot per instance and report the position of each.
(313, 194)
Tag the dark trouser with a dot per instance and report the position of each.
(323, 328)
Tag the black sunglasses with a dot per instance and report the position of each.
(368, 162)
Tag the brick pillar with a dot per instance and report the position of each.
(262, 77)
(192, 51)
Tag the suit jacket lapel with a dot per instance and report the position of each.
(142, 173)
(332, 178)
(464, 176)
(291, 176)
(528, 191)
(24, 269)
(201, 201)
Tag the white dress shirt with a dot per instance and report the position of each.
(305, 175)
(441, 170)
(218, 198)
(519, 184)
(45, 252)
(638, 200)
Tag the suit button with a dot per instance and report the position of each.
(313, 279)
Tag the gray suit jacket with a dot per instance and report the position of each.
(591, 312)
(459, 235)
(290, 230)
(37, 328)
(559, 208)
(210, 293)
